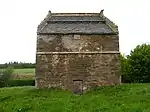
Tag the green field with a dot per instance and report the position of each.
(25, 71)
(124, 98)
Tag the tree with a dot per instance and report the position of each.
(125, 77)
(137, 65)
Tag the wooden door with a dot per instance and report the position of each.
(78, 86)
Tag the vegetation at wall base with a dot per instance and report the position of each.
(121, 98)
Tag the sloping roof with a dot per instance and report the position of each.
(77, 23)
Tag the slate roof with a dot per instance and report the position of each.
(77, 23)
(75, 18)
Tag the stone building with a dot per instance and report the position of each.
(77, 51)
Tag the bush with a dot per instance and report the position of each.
(12, 83)
(136, 66)
(5, 76)
(125, 70)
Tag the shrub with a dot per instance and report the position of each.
(12, 83)
(136, 66)
(5, 76)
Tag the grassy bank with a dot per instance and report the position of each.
(124, 98)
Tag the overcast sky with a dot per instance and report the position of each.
(19, 20)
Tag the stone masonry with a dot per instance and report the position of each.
(77, 51)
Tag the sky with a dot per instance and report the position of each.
(19, 20)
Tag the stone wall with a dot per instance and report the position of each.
(94, 69)
(77, 43)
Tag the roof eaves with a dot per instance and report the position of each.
(44, 22)
(74, 14)
(109, 23)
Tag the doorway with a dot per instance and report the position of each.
(78, 86)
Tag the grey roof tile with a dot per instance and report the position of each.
(75, 18)
(87, 28)
(87, 23)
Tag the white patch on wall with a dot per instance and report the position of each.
(46, 38)
(55, 59)
(76, 37)
(98, 48)
(70, 43)
(84, 88)
(101, 48)
(80, 48)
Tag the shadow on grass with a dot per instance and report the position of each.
(5, 98)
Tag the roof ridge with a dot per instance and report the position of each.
(75, 14)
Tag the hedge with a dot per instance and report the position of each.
(19, 82)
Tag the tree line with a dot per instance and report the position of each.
(17, 65)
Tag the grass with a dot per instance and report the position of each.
(123, 98)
